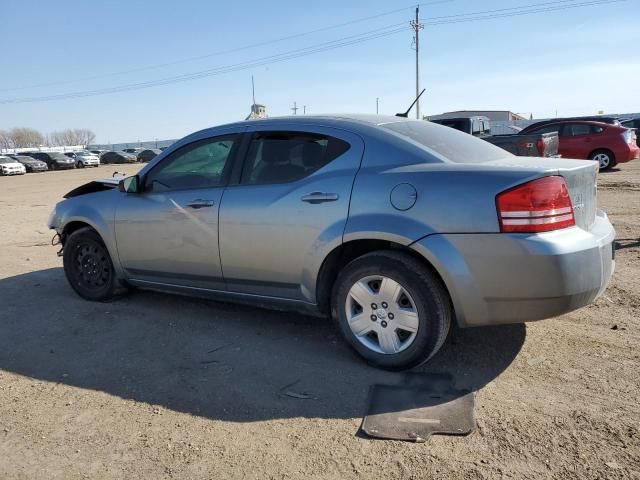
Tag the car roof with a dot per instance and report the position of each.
(358, 123)
(564, 122)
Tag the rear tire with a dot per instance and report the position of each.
(88, 266)
(412, 313)
(605, 158)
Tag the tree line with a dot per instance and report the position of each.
(22, 137)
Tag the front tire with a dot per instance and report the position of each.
(88, 266)
(392, 310)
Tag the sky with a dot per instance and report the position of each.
(567, 62)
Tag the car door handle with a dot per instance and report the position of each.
(320, 197)
(200, 203)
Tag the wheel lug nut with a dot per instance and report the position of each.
(384, 305)
(391, 316)
(373, 318)
(384, 324)
(374, 306)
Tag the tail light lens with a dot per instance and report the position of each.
(628, 136)
(540, 146)
(537, 206)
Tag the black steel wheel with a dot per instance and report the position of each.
(88, 266)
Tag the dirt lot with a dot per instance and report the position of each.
(156, 386)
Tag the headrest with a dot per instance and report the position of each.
(312, 155)
(275, 151)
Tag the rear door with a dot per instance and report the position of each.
(576, 139)
(288, 209)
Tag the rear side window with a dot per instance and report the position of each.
(452, 144)
(283, 157)
(576, 129)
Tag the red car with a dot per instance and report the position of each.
(604, 143)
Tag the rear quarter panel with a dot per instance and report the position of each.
(450, 198)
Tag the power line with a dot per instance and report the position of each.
(345, 41)
(520, 7)
(223, 52)
(317, 48)
(488, 15)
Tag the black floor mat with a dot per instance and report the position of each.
(418, 407)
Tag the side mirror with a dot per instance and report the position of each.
(129, 184)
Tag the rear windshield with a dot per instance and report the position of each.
(58, 156)
(455, 146)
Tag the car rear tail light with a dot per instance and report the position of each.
(628, 136)
(537, 206)
(540, 146)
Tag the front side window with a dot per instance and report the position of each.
(198, 165)
(549, 129)
(282, 157)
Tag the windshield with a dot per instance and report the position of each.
(455, 146)
(6, 160)
(58, 156)
(22, 158)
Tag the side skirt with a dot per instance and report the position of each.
(260, 301)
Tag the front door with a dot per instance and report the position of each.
(288, 209)
(168, 233)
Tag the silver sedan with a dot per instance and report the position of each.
(395, 228)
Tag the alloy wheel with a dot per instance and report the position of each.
(381, 314)
(603, 160)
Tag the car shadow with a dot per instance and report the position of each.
(215, 360)
(623, 243)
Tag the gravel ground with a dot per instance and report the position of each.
(159, 386)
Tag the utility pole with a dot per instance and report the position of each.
(417, 26)
(295, 108)
(377, 103)
(304, 109)
(253, 90)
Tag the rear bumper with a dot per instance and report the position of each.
(632, 152)
(513, 278)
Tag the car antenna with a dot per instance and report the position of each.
(406, 114)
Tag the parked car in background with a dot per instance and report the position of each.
(524, 145)
(84, 158)
(594, 118)
(117, 157)
(31, 164)
(394, 227)
(605, 143)
(133, 151)
(54, 160)
(10, 166)
(635, 124)
(148, 154)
